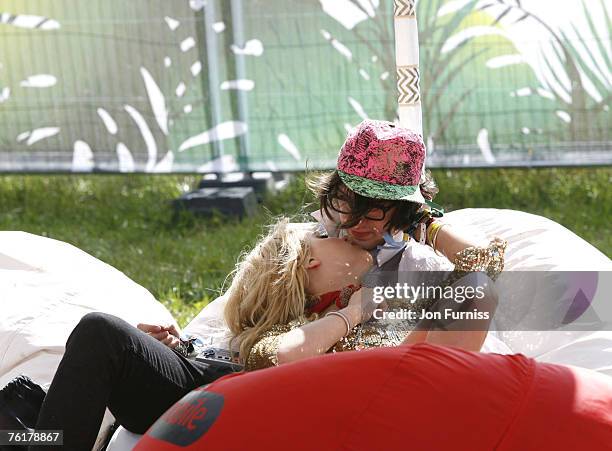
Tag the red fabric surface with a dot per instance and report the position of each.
(418, 397)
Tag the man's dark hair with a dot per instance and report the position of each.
(329, 187)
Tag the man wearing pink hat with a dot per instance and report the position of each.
(380, 198)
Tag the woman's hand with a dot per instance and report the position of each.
(317, 337)
(168, 335)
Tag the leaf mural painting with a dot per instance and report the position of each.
(29, 21)
(126, 161)
(82, 157)
(36, 23)
(348, 13)
(165, 164)
(89, 110)
(241, 85)
(485, 145)
(157, 100)
(173, 24)
(32, 137)
(198, 85)
(109, 122)
(196, 68)
(358, 108)
(39, 81)
(573, 66)
(442, 63)
(339, 46)
(289, 146)
(225, 130)
(188, 44)
(463, 36)
(5, 94)
(253, 47)
(505, 60)
(145, 131)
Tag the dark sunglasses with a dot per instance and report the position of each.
(377, 213)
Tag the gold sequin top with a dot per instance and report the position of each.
(381, 333)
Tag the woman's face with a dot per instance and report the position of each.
(334, 264)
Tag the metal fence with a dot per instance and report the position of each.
(237, 85)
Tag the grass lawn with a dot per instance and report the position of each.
(127, 221)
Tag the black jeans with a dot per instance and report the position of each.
(109, 363)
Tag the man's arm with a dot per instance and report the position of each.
(468, 334)
(449, 240)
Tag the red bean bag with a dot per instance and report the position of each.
(418, 397)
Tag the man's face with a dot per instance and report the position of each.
(368, 232)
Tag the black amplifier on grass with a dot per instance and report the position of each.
(235, 201)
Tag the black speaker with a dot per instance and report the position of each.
(235, 201)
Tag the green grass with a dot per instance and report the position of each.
(127, 221)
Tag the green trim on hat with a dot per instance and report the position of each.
(381, 190)
(436, 210)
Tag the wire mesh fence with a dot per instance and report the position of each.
(251, 85)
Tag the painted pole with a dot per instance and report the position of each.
(407, 66)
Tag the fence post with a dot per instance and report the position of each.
(237, 8)
(212, 60)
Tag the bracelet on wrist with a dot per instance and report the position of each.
(435, 236)
(431, 230)
(347, 323)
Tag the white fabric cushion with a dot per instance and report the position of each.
(536, 243)
(123, 440)
(46, 286)
(210, 324)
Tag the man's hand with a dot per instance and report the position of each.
(361, 306)
(168, 335)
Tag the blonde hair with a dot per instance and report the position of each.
(269, 284)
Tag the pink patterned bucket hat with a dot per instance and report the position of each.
(383, 161)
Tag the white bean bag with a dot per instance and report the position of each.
(536, 243)
(46, 286)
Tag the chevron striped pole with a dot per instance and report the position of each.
(407, 65)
